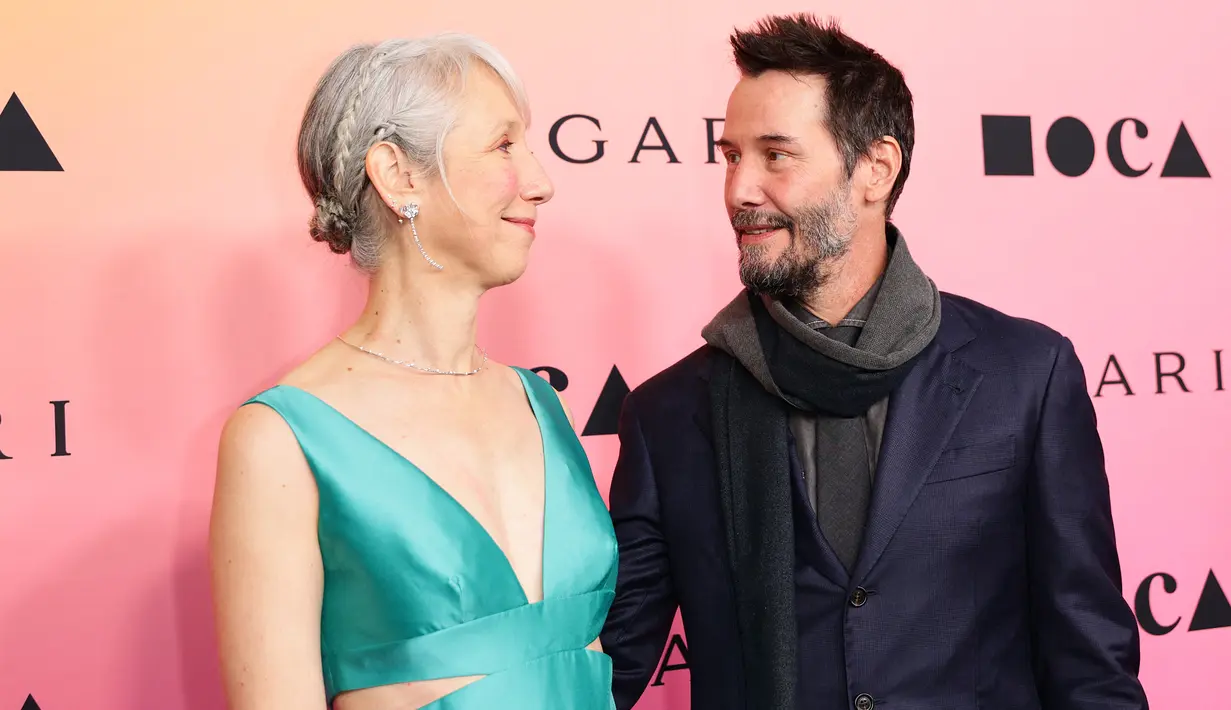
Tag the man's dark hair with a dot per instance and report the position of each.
(866, 97)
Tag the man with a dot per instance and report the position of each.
(861, 492)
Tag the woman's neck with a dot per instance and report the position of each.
(425, 318)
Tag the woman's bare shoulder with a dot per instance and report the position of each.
(258, 429)
(559, 396)
(257, 438)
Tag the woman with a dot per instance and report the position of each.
(401, 522)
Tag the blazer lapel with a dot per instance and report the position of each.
(923, 414)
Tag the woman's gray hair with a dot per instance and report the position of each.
(404, 91)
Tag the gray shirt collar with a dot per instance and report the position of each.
(857, 318)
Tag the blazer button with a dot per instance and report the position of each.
(859, 597)
(863, 701)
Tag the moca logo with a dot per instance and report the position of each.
(1008, 148)
(1213, 611)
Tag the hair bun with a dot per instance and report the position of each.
(330, 225)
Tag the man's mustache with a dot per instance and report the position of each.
(758, 218)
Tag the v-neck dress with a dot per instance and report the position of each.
(416, 589)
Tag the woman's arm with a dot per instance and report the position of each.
(265, 566)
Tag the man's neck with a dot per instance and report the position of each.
(848, 279)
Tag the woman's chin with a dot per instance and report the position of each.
(505, 274)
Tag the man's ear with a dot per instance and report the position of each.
(883, 163)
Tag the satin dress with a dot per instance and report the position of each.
(416, 589)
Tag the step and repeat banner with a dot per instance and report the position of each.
(156, 270)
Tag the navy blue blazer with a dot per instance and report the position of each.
(989, 575)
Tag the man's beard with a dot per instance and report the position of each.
(819, 234)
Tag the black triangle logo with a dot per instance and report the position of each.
(605, 419)
(1184, 160)
(1213, 610)
(22, 147)
(30, 704)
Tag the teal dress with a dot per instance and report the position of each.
(416, 589)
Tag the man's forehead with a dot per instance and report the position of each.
(769, 104)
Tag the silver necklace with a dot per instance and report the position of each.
(421, 368)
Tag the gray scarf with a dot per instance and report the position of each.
(903, 320)
(768, 357)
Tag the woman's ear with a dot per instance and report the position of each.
(391, 174)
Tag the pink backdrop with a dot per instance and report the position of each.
(165, 274)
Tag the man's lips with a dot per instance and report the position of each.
(756, 233)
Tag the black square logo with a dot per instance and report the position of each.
(1007, 146)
